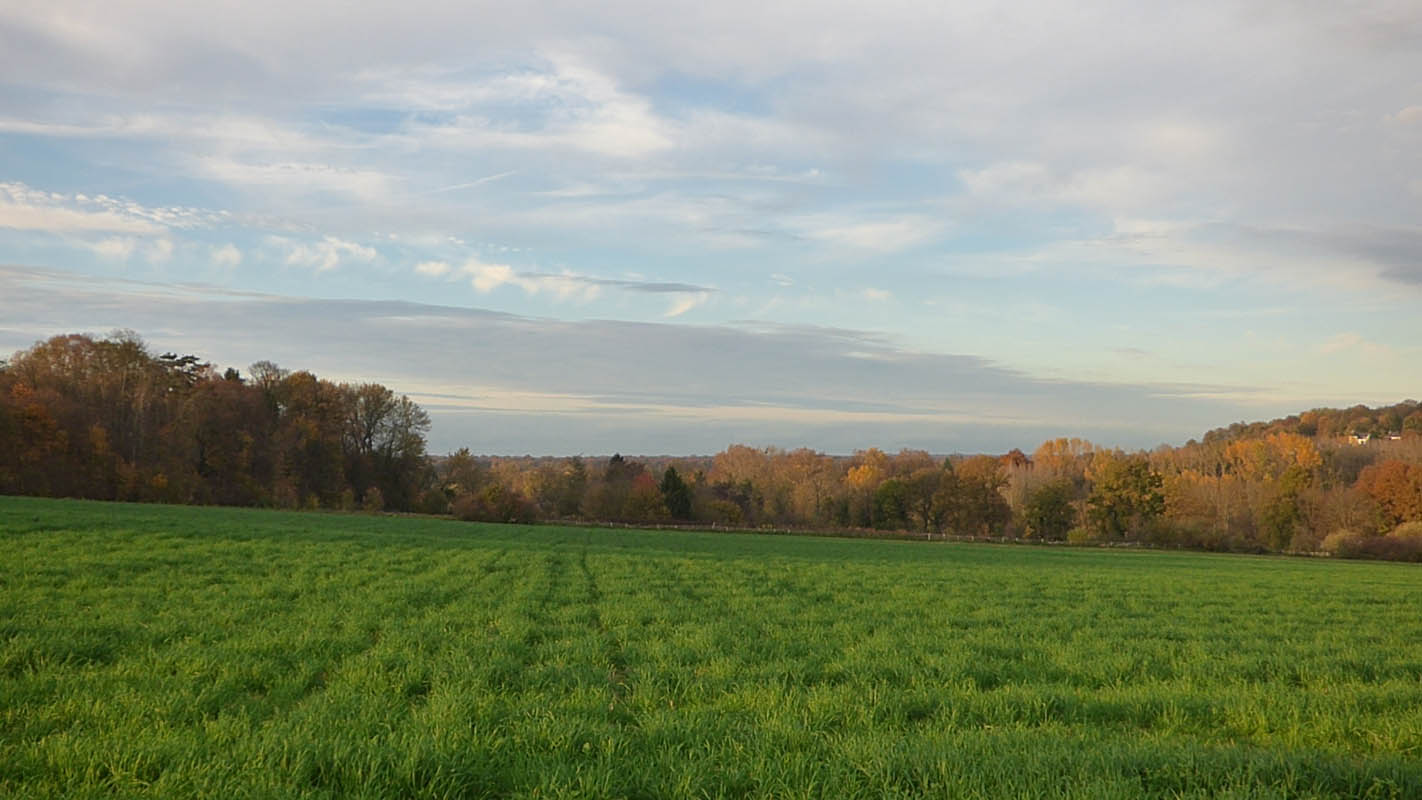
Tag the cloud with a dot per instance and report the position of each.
(471, 184)
(1326, 256)
(1408, 116)
(117, 248)
(1007, 178)
(210, 131)
(574, 106)
(877, 295)
(326, 254)
(1353, 342)
(1043, 149)
(432, 269)
(160, 251)
(759, 382)
(886, 236)
(64, 220)
(226, 256)
(486, 277)
(368, 184)
(684, 303)
(23, 208)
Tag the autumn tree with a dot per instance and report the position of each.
(309, 443)
(1048, 513)
(1396, 486)
(106, 418)
(1063, 458)
(928, 494)
(460, 473)
(572, 485)
(867, 469)
(1125, 496)
(1282, 516)
(890, 509)
(973, 499)
(609, 498)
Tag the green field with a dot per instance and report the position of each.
(164, 651)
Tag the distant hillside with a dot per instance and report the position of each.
(1404, 418)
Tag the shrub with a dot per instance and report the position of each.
(1080, 536)
(433, 501)
(1408, 531)
(465, 507)
(374, 501)
(1341, 543)
(493, 503)
(1403, 544)
(720, 512)
(1390, 548)
(285, 495)
(1305, 541)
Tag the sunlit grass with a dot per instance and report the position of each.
(169, 651)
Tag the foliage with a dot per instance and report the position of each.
(493, 503)
(373, 501)
(1282, 516)
(1331, 423)
(1125, 497)
(891, 505)
(1396, 486)
(676, 495)
(106, 419)
(1049, 514)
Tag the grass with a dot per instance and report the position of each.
(166, 651)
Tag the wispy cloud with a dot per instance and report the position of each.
(160, 251)
(226, 256)
(25, 208)
(745, 382)
(685, 302)
(882, 235)
(485, 277)
(471, 184)
(578, 108)
(53, 219)
(1408, 116)
(116, 248)
(303, 177)
(326, 254)
(1353, 342)
(432, 269)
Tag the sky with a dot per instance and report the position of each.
(654, 227)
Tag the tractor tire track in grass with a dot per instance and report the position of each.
(379, 694)
(432, 596)
(521, 625)
(619, 685)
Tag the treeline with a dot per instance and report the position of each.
(1275, 492)
(107, 419)
(1384, 422)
